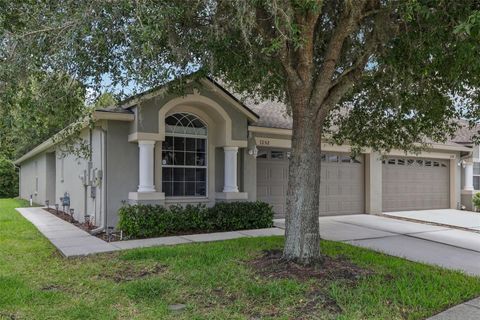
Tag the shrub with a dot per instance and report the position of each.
(144, 221)
(476, 200)
(8, 179)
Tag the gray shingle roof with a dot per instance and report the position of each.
(273, 114)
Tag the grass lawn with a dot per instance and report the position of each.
(212, 279)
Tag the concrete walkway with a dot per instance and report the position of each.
(72, 241)
(438, 245)
(464, 311)
(451, 217)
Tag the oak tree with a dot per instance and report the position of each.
(372, 73)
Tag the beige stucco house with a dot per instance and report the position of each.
(207, 146)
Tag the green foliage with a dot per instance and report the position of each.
(476, 200)
(213, 279)
(408, 92)
(36, 108)
(8, 179)
(144, 221)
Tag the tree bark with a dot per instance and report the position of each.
(302, 235)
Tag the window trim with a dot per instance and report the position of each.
(183, 135)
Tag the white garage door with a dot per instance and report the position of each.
(414, 184)
(341, 186)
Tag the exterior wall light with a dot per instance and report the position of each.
(253, 152)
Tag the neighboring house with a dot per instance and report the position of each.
(207, 146)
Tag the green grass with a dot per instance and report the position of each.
(211, 279)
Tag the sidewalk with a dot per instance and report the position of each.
(464, 311)
(72, 241)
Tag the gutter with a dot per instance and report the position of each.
(97, 115)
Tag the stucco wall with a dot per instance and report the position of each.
(70, 167)
(122, 168)
(30, 171)
(146, 119)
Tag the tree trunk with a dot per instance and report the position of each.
(302, 234)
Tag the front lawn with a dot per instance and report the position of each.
(213, 280)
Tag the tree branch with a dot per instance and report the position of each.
(345, 81)
(347, 21)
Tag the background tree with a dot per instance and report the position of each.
(375, 73)
(33, 109)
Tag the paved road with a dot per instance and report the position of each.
(439, 245)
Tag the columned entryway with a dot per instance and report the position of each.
(146, 188)
(230, 183)
(146, 166)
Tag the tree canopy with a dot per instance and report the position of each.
(374, 73)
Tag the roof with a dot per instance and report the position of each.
(136, 99)
(273, 114)
(99, 114)
(465, 133)
(266, 114)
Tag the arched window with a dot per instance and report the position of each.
(184, 156)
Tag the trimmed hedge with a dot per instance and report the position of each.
(146, 221)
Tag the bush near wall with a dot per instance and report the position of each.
(476, 201)
(145, 221)
(8, 179)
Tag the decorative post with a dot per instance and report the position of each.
(468, 175)
(230, 182)
(146, 166)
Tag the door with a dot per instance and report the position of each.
(341, 185)
(415, 184)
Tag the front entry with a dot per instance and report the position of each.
(341, 186)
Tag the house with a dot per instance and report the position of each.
(207, 146)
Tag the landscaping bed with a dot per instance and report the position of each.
(148, 221)
(67, 217)
(236, 279)
(151, 221)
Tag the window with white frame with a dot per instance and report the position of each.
(476, 175)
(184, 156)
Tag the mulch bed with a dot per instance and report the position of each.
(272, 265)
(66, 217)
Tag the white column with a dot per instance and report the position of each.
(146, 166)
(468, 176)
(230, 184)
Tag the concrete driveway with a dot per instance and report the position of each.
(438, 245)
(451, 217)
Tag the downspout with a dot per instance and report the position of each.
(103, 200)
(88, 174)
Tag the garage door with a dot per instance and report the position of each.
(341, 186)
(414, 184)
